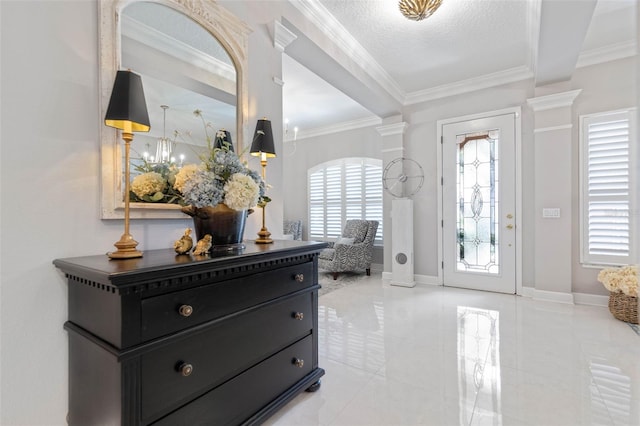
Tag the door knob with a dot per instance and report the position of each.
(509, 216)
(509, 226)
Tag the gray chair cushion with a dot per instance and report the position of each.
(356, 229)
(292, 227)
(351, 257)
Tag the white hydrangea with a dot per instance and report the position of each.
(241, 192)
(148, 184)
(185, 174)
(618, 280)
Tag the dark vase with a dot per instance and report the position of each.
(225, 225)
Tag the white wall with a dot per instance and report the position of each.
(421, 145)
(50, 165)
(301, 155)
(616, 90)
(50, 169)
(605, 87)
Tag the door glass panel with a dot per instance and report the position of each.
(477, 188)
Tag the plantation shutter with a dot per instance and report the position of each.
(606, 189)
(354, 189)
(316, 204)
(333, 212)
(349, 188)
(373, 196)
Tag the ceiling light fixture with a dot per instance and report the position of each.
(164, 146)
(417, 10)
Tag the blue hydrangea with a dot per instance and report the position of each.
(203, 189)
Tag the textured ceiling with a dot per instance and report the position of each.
(403, 61)
(463, 42)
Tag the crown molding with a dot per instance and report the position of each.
(607, 53)
(464, 86)
(386, 150)
(392, 129)
(556, 100)
(553, 128)
(534, 17)
(282, 37)
(155, 39)
(336, 128)
(338, 34)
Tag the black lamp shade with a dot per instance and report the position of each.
(263, 139)
(218, 143)
(127, 109)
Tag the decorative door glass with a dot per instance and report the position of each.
(477, 195)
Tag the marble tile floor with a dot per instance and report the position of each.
(443, 356)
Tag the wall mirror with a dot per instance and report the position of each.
(191, 55)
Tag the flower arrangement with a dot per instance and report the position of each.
(221, 177)
(620, 280)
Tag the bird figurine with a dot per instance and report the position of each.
(203, 246)
(185, 243)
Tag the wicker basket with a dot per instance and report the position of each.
(623, 307)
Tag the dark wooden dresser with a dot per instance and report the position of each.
(192, 340)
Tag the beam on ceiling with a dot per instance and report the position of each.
(563, 27)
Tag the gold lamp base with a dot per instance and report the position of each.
(263, 237)
(263, 234)
(126, 248)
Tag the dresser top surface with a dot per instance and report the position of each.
(101, 268)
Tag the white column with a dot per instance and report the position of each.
(553, 194)
(392, 132)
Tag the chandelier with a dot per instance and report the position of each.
(164, 147)
(418, 10)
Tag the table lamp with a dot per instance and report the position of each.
(127, 111)
(262, 147)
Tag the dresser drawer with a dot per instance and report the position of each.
(240, 398)
(180, 310)
(219, 353)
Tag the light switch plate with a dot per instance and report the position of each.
(553, 213)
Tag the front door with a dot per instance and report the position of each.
(478, 202)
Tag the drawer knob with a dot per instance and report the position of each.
(185, 310)
(299, 277)
(299, 316)
(298, 362)
(185, 369)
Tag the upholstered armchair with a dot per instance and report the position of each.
(353, 251)
(292, 227)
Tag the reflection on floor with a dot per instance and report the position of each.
(441, 356)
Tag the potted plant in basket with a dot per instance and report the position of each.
(622, 284)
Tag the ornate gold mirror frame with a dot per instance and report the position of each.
(233, 35)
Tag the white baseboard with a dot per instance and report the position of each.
(419, 279)
(426, 279)
(590, 299)
(547, 296)
(527, 292)
(553, 296)
(402, 284)
(571, 298)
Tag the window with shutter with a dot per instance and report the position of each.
(349, 188)
(607, 188)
